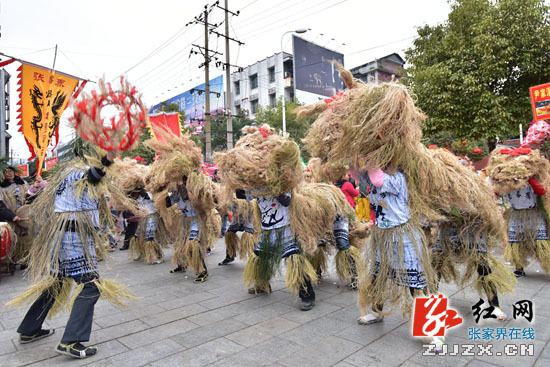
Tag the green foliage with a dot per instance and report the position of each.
(460, 147)
(218, 128)
(297, 129)
(472, 74)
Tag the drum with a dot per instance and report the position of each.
(7, 239)
(24, 212)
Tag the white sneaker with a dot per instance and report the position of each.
(501, 316)
(371, 318)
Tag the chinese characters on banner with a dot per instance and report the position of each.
(23, 170)
(540, 101)
(163, 124)
(43, 97)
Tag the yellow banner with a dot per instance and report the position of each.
(43, 98)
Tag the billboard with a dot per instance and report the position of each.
(192, 103)
(314, 72)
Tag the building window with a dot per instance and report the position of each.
(253, 106)
(254, 81)
(271, 72)
(272, 100)
(238, 110)
(237, 87)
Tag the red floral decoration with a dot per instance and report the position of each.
(119, 133)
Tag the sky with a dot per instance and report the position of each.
(150, 41)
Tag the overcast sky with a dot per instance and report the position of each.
(113, 37)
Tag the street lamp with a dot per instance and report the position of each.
(300, 30)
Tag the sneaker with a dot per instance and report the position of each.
(201, 278)
(208, 251)
(519, 273)
(319, 273)
(307, 305)
(158, 261)
(41, 334)
(371, 318)
(124, 248)
(501, 316)
(227, 260)
(76, 350)
(353, 285)
(178, 269)
(255, 290)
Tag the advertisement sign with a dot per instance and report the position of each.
(192, 102)
(314, 71)
(540, 101)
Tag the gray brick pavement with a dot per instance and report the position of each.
(179, 323)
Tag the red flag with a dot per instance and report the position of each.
(165, 124)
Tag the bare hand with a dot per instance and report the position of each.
(16, 219)
(111, 155)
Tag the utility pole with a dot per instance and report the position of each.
(206, 52)
(207, 126)
(228, 102)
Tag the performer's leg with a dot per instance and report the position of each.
(79, 326)
(375, 314)
(204, 275)
(129, 233)
(307, 295)
(31, 326)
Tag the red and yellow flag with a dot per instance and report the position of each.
(43, 96)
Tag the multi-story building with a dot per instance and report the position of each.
(380, 70)
(262, 84)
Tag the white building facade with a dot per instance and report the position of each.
(262, 84)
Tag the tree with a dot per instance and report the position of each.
(472, 74)
(297, 129)
(218, 128)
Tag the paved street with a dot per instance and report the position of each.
(179, 323)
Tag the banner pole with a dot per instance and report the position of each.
(54, 58)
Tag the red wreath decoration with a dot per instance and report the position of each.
(119, 133)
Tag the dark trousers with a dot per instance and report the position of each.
(307, 293)
(130, 232)
(79, 326)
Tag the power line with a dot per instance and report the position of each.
(385, 44)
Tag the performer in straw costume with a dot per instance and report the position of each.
(72, 213)
(522, 175)
(179, 186)
(376, 129)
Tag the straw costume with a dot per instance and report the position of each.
(471, 246)
(74, 218)
(179, 186)
(245, 219)
(269, 167)
(13, 194)
(148, 238)
(376, 129)
(348, 258)
(71, 210)
(522, 175)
